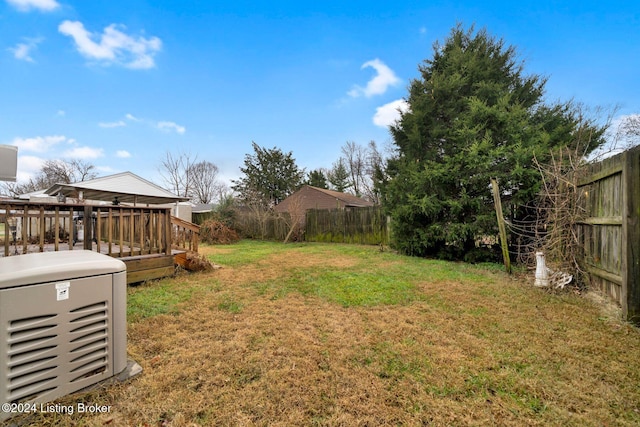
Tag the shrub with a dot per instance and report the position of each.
(215, 232)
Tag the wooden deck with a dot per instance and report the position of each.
(139, 267)
(147, 239)
(148, 267)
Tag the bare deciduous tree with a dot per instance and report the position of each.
(375, 172)
(260, 211)
(629, 130)
(175, 171)
(355, 157)
(296, 216)
(66, 172)
(363, 166)
(53, 172)
(561, 206)
(205, 185)
(184, 176)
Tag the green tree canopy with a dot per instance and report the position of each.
(269, 176)
(473, 114)
(317, 178)
(338, 176)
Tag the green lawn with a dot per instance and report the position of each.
(331, 334)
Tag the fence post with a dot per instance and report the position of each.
(501, 227)
(631, 232)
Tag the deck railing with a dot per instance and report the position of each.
(118, 231)
(186, 235)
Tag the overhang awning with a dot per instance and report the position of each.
(124, 187)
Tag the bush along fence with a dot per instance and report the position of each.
(367, 226)
(264, 225)
(610, 233)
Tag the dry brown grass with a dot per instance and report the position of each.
(476, 348)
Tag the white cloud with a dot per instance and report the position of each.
(61, 113)
(117, 124)
(123, 154)
(164, 126)
(23, 51)
(38, 144)
(84, 153)
(114, 46)
(28, 167)
(388, 114)
(379, 84)
(42, 5)
(169, 126)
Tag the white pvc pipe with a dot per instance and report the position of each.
(542, 273)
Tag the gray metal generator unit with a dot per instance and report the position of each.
(62, 324)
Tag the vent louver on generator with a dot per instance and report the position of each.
(62, 324)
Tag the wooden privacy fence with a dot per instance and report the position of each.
(350, 225)
(610, 233)
(263, 225)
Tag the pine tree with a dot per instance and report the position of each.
(317, 178)
(338, 176)
(473, 115)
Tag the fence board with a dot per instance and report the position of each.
(611, 232)
(351, 225)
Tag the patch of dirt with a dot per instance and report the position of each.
(608, 308)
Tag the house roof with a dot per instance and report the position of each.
(348, 199)
(126, 186)
(312, 197)
(202, 207)
(27, 196)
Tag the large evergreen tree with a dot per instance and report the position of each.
(473, 115)
(269, 176)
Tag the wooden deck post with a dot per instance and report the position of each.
(167, 233)
(71, 229)
(25, 224)
(56, 226)
(43, 227)
(110, 232)
(98, 230)
(88, 225)
(631, 230)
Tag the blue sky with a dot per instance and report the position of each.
(120, 83)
